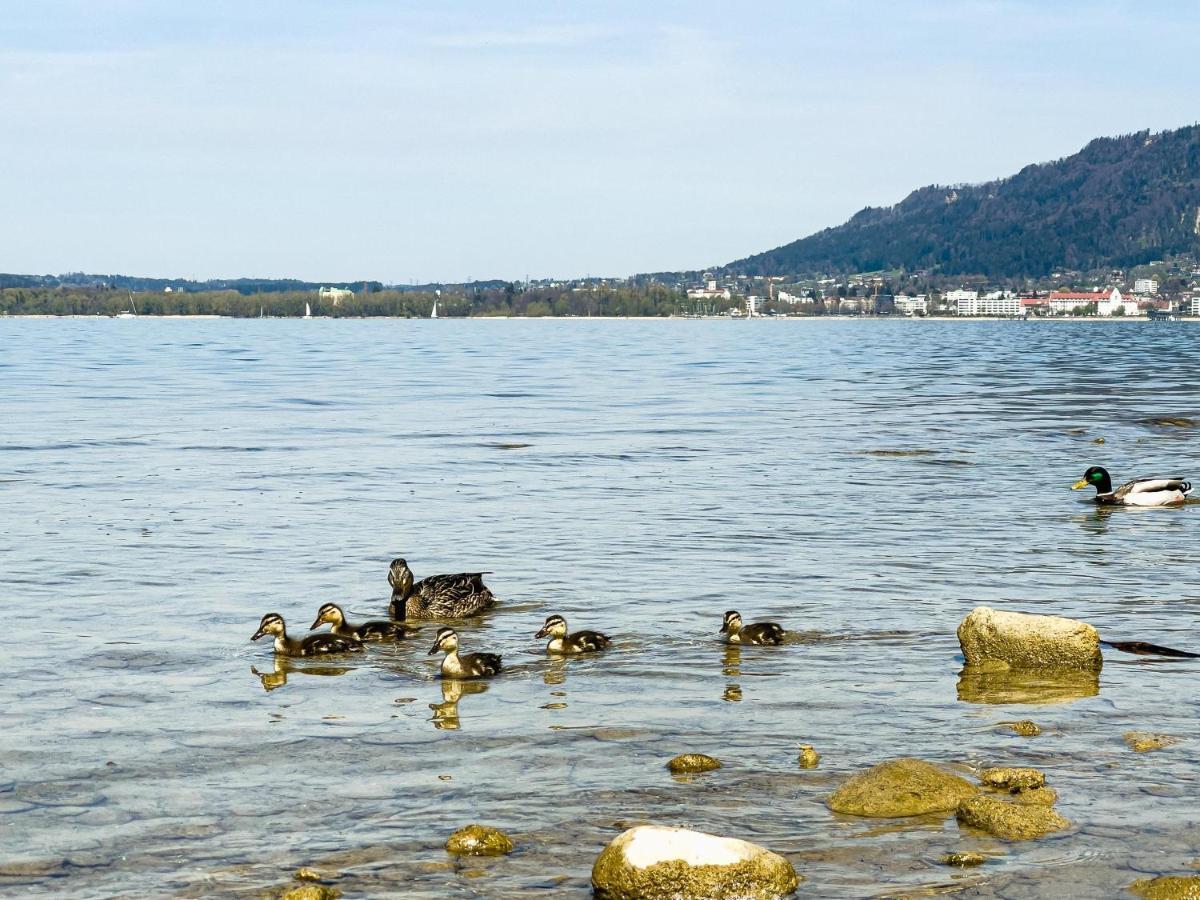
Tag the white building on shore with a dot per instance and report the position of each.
(1063, 303)
(996, 303)
(1145, 286)
(710, 291)
(911, 305)
(337, 295)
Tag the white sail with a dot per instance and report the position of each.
(307, 311)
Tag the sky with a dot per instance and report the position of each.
(447, 141)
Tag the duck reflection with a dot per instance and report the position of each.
(556, 670)
(733, 693)
(731, 660)
(285, 665)
(1096, 520)
(445, 714)
(1033, 686)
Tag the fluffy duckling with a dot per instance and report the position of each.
(579, 642)
(456, 665)
(1139, 492)
(438, 596)
(763, 633)
(309, 645)
(377, 630)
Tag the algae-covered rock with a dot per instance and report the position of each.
(479, 840)
(1043, 796)
(310, 891)
(1025, 728)
(306, 874)
(654, 862)
(693, 762)
(994, 639)
(1145, 741)
(1010, 821)
(963, 859)
(901, 787)
(983, 684)
(809, 757)
(1168, 887)
(1013, 780)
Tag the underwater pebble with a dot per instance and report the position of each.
(1145, 741)
(693, 762)
(963, 859)
(479, 840)
(1025, 728)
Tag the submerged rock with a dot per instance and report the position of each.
(307, 874)
(1145, 741)
(1010, 821)
(693, 762)
(479, 840)
(1025, 728)
(654, 862)
(809, 757)
(1168, 887)
(1013, 780)
(1043, 796)
(1000, 640)
(963, 859)
(901, 787)
(310, 891)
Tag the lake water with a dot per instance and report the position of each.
(166, 483)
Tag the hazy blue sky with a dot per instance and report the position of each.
(442, 140)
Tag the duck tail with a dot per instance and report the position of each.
(1187, 488)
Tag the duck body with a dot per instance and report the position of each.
(457, 596)
(578, 642)
(463, 665)
(378, 630)
(321, 644)
(764, 634)
(1152, 491)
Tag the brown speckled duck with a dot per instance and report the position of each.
(438, 596)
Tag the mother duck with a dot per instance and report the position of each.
(1139, 492)
(438, 596)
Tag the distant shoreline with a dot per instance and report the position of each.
(1070, 320)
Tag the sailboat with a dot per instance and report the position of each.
(130, 313)
(307, 311)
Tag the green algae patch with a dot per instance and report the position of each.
(689, 763)
(479, 840)
(1145, 741)
(1013, 780)
(1168, 887)
(1010, 821)
(652, 862)
(901, 787)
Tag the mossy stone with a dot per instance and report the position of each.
(1010, 821)
(310, 891)
(1145, 741)
(1043, 796)
(901, 787)
(963, 859)
(479, 840)
(1013, 779)
(997, 639)
(1025, 728)
(652, 862)
(1168, 887)
(809, 757)
(687, 763)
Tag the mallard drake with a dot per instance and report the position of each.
(579, 642)
(1139, 492)
(766, 633)
(438, 596)
(378, 630)
(456, 665)
(309, 645)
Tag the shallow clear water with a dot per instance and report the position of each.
(165, 483)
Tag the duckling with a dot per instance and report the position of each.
(1139, 492)
(377, 630)
(579, 642)
(310, 645)
(472, 665)
(758, 633)
(438, 596)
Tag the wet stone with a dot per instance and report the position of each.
(687, 763)
(901, 787)
(1010, 821)
(1025, 728)
(309, 891)
(1013, 780)
(963, 859)
(809, 758)
(1145, 741)
(479, 840)
(995, 639)
(1043, 796)
(1167, 887)
(306, 874)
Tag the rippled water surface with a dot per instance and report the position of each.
(165, 483)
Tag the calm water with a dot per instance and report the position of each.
(165, 483)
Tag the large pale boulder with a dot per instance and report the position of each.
(998, 640)
(901, 787)
(1168, 887)
(655, 862)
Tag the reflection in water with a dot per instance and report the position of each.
(556, 670)
(733, 693)
(285, 665)
(731, 661)
(445, 714)
(1096, 521)
(1032, 686)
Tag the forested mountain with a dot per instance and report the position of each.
(1119, 202)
